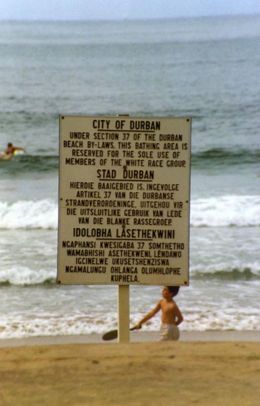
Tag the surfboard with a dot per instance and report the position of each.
(7, 157)
(18, 152)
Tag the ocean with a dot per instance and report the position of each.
(204, 68)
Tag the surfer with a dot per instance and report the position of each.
(171, 315)
(10, 151)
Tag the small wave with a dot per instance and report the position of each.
(224, 157)
(49, 282)
(235, 274)
(29, 163)
(214, 157)
(24, 276)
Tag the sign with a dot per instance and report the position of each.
(124, 198)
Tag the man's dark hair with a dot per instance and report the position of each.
(174, 290)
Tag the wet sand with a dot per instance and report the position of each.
(50, 370)
(136, 336)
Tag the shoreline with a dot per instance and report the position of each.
(140, 336)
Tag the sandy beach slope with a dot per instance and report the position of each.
(140, 373)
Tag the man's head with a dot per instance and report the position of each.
(173, 290)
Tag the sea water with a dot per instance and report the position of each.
(206, 68)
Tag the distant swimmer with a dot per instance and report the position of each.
(11, 151)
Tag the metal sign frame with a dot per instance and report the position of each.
(124, 200)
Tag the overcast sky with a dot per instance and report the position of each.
(121, 9)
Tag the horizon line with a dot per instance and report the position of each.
(128, 19)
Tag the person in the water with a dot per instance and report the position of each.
(10, 151)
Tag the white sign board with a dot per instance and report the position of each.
(124, 198)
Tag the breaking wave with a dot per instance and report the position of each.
(222, 211)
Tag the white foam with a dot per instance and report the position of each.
(48, 324)
(29, 214)
(226, 211)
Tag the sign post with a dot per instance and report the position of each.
(124, 203)
(123, 313)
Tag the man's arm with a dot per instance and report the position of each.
(178, 315)
(149, 315)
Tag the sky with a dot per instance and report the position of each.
(121, 9)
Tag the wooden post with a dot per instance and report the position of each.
(123, 314)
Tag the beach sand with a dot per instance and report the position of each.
(143, 372)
